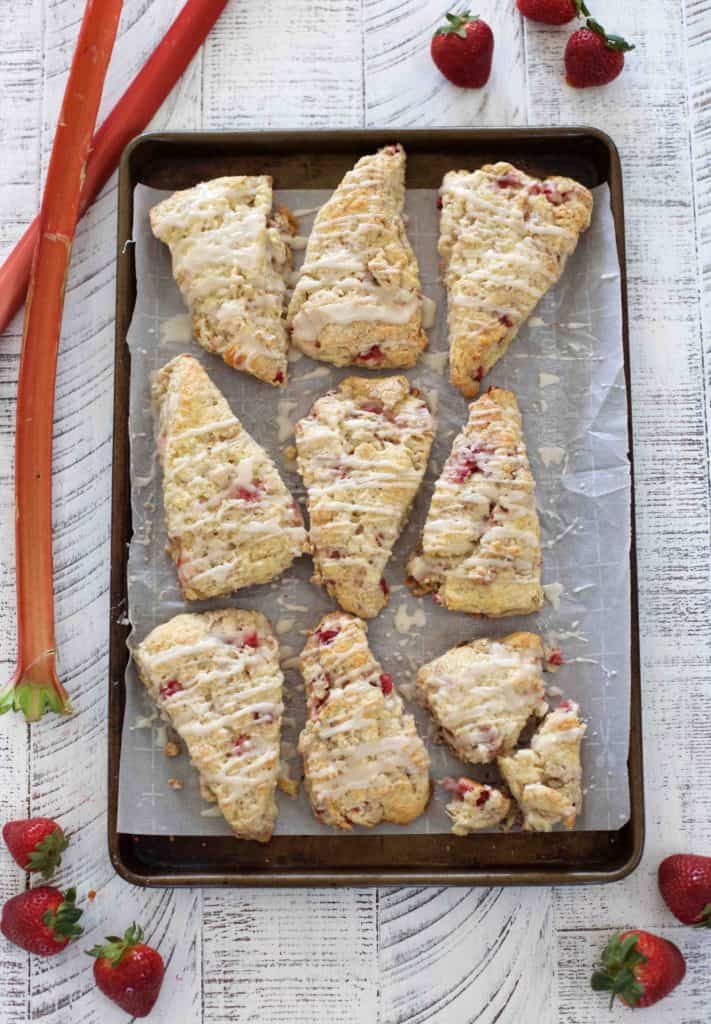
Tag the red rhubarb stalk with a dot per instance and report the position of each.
(129, 117)
(35, 687)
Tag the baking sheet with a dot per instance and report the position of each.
(566, 368)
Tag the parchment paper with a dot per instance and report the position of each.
(566, 367)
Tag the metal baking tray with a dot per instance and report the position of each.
(173, 160)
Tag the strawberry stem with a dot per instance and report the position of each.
(457, 24)
(611, 42)
(615, 973)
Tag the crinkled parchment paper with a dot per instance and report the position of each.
(566, 368)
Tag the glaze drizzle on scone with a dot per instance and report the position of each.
(358, 300)
(362, 453)
(545, 780)
(363, 760)
(504, 241)
(481, 548)
(231, 522)
(230, 262)
(482, 694)
(475, 806)
(216, 678)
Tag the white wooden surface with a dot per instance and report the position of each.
(407, 954)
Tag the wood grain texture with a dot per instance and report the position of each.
(441, 956)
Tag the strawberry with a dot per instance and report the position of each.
(463, 50)
(685, 884)
(592, 57)
(639, 967)
(41, 920)
(37, 844)
(129, 972)
(552, 12)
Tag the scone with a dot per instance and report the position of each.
(363, 760)
(231, 522)
(358, 300)
(482, 694)
(504, 241)
(362, 452)
(545, 780)
(216, 678)
(481, 544)
(475, 806)
(230, 261)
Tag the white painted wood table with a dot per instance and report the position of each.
(365, 956)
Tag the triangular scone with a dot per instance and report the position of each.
(363, 760)
(504, 241)
(545, 780)
(231, 522)
(481, 545)
(482, 694)
(216, 678)
(230, 261)
(358, 300)
(362, 452)
(475, 806)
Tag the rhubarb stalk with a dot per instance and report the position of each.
(129, 117)
(35, 687)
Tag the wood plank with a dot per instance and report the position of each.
(646, 115)
(466, 955)
(271, 66)
(404, 88)
(290, 956)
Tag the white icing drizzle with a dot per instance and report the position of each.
(362, 460)
(230, 262)
(484, 492)
(230, 519)
(481, 695)
(222, 692)
(349, 274)
(358, 743)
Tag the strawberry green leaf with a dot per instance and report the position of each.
(63, 921)
(114, 947)
(616, 971)
(611, 42)
(47, 854)
(704, 920)
(457, 24)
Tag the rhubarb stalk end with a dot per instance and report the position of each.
(34, 697)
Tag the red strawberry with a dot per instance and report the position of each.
(592, 57)
(463, 50)
(552, 12)
(41, 920)
(128, 972)
(685, 884)
(639, 967)
(37, 844)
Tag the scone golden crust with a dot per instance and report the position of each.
(475, 806)
(482, 694)
(230, 261)
(481, 544)
(362, 452)
(545, 780)
(216, 678)
(231, 522)
(363, 760)
(358, 300)
(504, 241)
